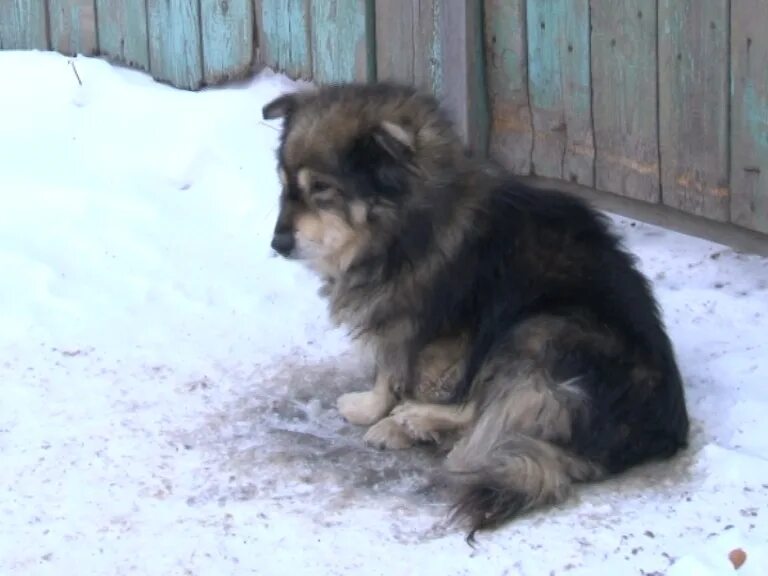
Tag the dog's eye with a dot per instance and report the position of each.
(319, 187)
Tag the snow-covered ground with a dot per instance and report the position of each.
(168, 385)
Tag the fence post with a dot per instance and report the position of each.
(463, 89)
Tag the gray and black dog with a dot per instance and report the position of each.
(505, 320)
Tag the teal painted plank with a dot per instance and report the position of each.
(73, 26)
(560, 89)
(511, 137)
(122, 31)
(175, 52)
(625, 106)
(22, 25)
(343, 41)
(749, 114)
(285, 37)
(228, 41)
(693, 106)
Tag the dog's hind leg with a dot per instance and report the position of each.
(413, 422)
(425, 422)
(387, 434)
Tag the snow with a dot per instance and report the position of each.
(168, 386)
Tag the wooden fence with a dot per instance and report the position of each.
(662, 101)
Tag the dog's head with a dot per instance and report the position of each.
(348, 160)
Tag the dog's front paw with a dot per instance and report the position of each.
(416, 420)
(387, 434)
(363, 408)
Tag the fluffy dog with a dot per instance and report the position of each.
(506, 320)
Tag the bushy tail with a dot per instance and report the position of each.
(506, 478)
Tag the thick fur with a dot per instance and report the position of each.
(506, 321)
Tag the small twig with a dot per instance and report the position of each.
(74, 69)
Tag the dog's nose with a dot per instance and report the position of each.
(282, 243)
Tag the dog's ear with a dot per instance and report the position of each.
(281, 107)
(385, 155)
(395, 140)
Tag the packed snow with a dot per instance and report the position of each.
(169, 386)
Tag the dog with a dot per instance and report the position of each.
(508, 324)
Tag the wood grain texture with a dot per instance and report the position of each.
(559, 89)
(285, 43)
(427, 46)
(624, 98)
(395, 48)
(693, 106)
(343, 41)
(227, 32)
(511, 125)
(23, 25)
(749, 114)
(122, 31)
(73, 26)
(175, 52)
(462, 78)
(408, 42)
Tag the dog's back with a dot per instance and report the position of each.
(570, 367)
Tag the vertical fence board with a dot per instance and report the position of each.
(395, 32)
(409, 42)
(579, 160)
(624, 98)
(175, 53)
(559, 88)
(511, 129)
(462, 79)
(22, 25)
(693, 106)
(73, 26)
(343, 41)
(427, 46)
(122, 31)
(749, 119)
(285, 43)
(227, 32)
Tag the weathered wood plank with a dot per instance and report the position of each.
(284, 28)
(227, 31)
(544, 27)
(408, 42)
(463, 70)
(22, 25)
(624, 102)
(559, 89)
(427, 46)
(693, 106)
(749, 114)
(175, 51)
(343, 41)
(122, 31)
(395, 30)
(511, 129)
(73, 26)
(579, 160)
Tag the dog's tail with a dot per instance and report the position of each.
(503, 474)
